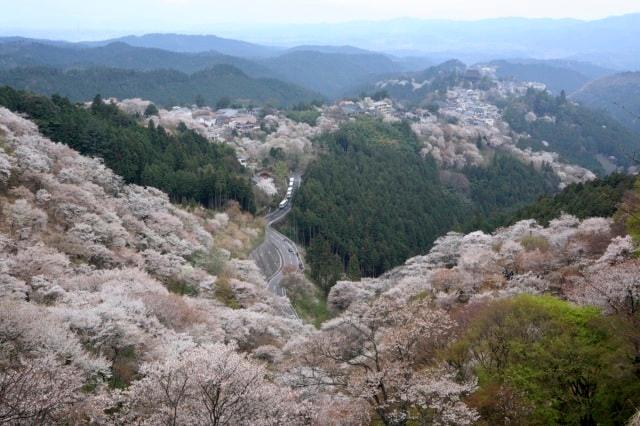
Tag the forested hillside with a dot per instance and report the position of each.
(30, 53)
(185, 165)
(162, 86)
(597, 198)
(371, 201)
(506, 183)
(581, 136)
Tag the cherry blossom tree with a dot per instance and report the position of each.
(5, 167)
(385, 355)
(24, 219)
(616, 289)
(38, 391)
(213, 385)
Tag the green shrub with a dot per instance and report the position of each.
(548, 361)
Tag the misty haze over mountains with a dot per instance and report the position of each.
(609, 39)
(613, 42)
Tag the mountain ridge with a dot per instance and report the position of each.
(165, 87)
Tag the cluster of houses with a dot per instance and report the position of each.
(469, 107)
(223, 124)
(506, 88)
(366, 106)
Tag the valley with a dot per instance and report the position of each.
(398, 222)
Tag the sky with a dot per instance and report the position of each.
(93, 19)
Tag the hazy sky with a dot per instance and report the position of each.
(95, 18)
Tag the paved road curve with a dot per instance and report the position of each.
(278, 253)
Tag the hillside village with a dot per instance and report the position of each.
(464, 114)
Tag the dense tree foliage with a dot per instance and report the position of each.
(581, 136)
(598, 198)
(91, 332)
(545, 360)
(507, 183)
(185, 165)
(370, 201)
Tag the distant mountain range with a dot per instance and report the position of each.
(23, 53)
(617, 94)
(330, 74)
(194, 44)
(612, 42)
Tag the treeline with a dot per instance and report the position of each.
(371, 201)
(185, 165)
(597, 198)
(581, 136)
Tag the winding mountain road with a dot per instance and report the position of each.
(278, 253)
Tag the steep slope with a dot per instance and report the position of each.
(589, 138)
(92, 289)
(619, 95)
(165, 87)
(514, 343)
(185, 165)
